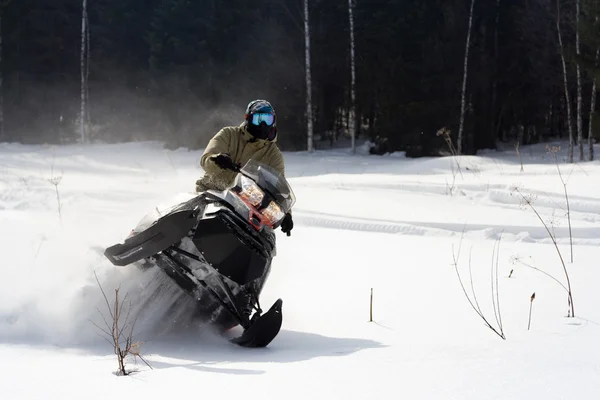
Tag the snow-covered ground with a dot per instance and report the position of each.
(362, 222)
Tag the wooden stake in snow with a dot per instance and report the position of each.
(371, 307)
(530, 307)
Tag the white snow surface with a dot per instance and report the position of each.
(386, 223)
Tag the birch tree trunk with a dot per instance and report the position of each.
(592, 109)
(564, 67)
(87, 71)
(464, 84)
(495, 124)
(3, 5)
(1, 81)
(82, 116)
(309, 118)
(579, 102)
(352, 120)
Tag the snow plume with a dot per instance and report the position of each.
(48, 286)
(55, 297)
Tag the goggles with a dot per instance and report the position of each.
(267, 118)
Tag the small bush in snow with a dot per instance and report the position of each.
(120, 335)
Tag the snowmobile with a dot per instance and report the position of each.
(218, 247)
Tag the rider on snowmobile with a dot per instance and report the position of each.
(232, 146)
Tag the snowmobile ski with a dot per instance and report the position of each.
(263, 329)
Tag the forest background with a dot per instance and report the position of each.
(403, 74)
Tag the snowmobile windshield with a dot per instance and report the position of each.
(272, 182)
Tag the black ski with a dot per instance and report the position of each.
(263, 329)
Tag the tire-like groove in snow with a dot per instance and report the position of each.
(581, 236)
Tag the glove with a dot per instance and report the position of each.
(287, 224)
(224, 161)
(199, 186)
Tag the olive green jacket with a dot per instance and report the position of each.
(241, 147)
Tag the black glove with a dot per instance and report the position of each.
(224, 161)
(287, 224)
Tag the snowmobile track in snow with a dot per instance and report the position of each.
(581, 236)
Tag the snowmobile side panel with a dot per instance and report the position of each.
(224, 249)
(209, 298)
(163, 233)
(175, 271)
(262, 242)
(263, 329)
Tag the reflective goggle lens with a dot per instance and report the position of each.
(268, 119)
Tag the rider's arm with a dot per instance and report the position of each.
(217, 145)
(276, 161)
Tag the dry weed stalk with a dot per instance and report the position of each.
(518, 260)
(527, 200)
(55, 181)
(552, 151)
(447, 135)
(519, 155)
(119, 336)
(499, 330)
(531, 299)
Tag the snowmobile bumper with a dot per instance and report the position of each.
(156, 238)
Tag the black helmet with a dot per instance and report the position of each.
(261, 120)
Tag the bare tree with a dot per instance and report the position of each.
(564, 67)
(309, 118)
(352, 119)
(464, 84)
(579, 100)
(83, 113)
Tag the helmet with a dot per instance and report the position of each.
(261, 120)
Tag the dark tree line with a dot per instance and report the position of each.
(178, 70)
